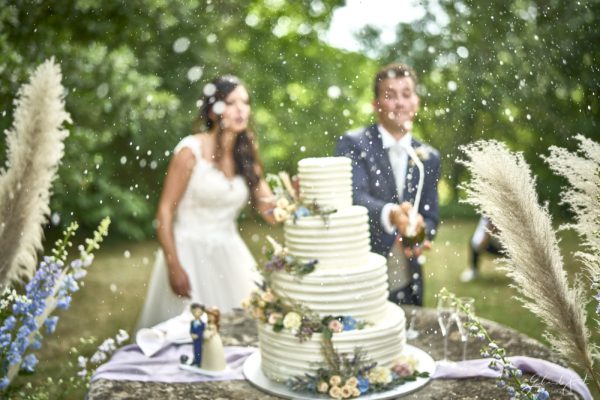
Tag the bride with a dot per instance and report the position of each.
(210, 178)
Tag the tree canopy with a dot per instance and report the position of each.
(525, 72)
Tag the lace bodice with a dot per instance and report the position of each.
(212, 201)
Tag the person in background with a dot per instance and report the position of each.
(211, 177)
(385, 180)
(482, 241)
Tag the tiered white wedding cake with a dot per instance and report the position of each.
(349, 280)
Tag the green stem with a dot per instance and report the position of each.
(595, 377)
(60, 252)
(513, 376)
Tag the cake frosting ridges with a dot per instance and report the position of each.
(326, 181)
(283, 357)
(339, 241)
(360, 292)
(348, 281)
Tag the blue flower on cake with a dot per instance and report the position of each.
(349, 323)
(363, 384)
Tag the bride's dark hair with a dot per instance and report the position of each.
(245, 155)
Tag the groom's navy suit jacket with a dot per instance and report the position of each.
(374, 184)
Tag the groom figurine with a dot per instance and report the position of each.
(385, 180)
(197, 332)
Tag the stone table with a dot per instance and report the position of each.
(239, 330)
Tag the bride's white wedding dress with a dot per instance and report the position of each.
(220, 267)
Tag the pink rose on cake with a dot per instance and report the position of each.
(275, 317)
(404, 366)
(335, 326)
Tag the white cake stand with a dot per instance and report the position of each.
(253, 372)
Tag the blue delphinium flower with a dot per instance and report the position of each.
(14, 354)
(20, 306)
(363, 384)
(542, 394)
(9, 322)
(20, 331)
(30, 323)
(494, 365)
(5, 340)
(36, 344)
(50, 324)
(349, 323)
(64, 302)
(29, 363)
(518, 373)
(26, 309)
(70, 284)
(79, 274)
(4, 382)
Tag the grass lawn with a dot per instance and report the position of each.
(113, 293)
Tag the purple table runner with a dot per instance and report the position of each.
(129, 363)
(544, 369)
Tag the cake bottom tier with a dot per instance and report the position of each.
(284, 356)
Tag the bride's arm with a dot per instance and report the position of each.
(176, 181)
(263, 200)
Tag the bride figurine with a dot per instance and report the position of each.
(213, 358)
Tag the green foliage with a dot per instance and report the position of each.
(133, 92)
(529, 80)
(520, 71)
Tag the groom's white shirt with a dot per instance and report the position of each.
(398, 160)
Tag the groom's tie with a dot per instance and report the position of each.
(397, 160)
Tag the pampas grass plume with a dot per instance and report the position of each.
(35, 148)
(582, 171)
(503, 189)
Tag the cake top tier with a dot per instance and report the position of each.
(326, 180)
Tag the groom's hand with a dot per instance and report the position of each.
(416, 251)
(399, 218)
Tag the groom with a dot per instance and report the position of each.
(385, 180)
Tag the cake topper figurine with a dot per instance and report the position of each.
(197, 332)
(214, 354)
(209, 354)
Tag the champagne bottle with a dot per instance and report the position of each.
(414, 235)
